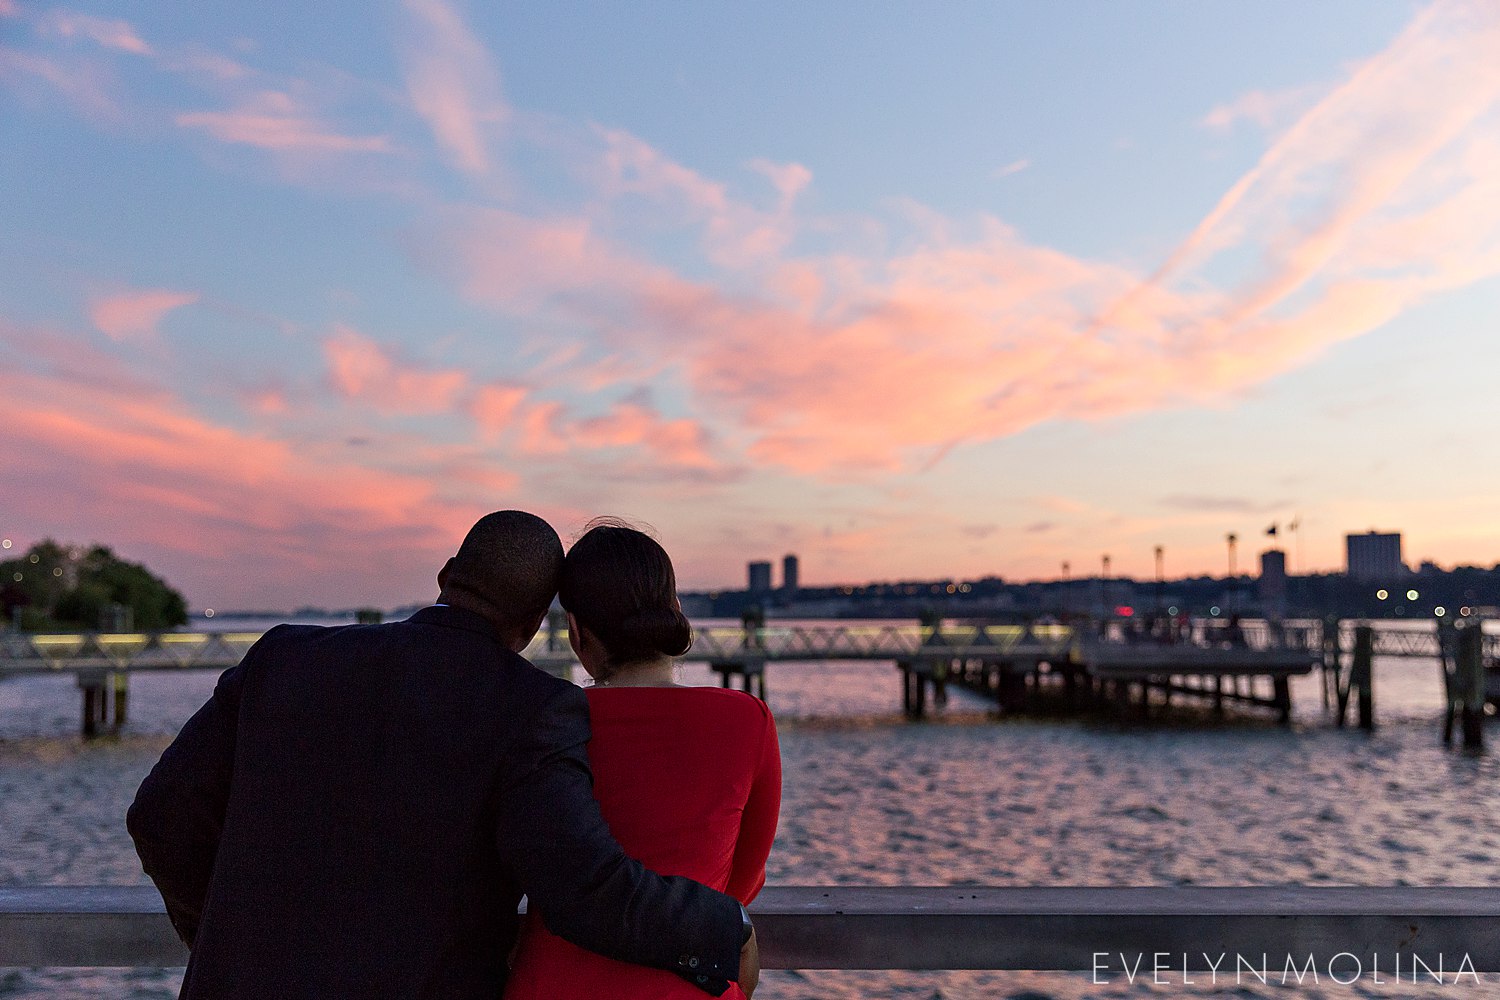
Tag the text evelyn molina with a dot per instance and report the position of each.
(1342, 969)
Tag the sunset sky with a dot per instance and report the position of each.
(291, 293)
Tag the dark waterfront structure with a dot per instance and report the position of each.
(1374, 556)
(1274, 593)
(759, 582)
(789, 576)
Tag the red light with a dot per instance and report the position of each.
(1125, 612)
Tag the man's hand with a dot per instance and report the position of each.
(750, 964)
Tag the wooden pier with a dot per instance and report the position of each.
(1091, 671)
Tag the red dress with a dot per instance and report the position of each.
(689, 780)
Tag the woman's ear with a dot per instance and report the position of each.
(576, 636)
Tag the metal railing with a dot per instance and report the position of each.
(25, 653)
(930, 928)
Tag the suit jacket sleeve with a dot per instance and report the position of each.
(550, 831)
(178, 812)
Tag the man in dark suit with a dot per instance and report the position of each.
(356, 811)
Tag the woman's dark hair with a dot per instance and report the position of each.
(618, 582)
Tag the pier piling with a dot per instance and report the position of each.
(1469, 688)
(1362, 674)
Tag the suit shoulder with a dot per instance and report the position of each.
(536, 685)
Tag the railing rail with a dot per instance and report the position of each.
(951, 927)
(22, 653)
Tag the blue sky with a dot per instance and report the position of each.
(289, 295)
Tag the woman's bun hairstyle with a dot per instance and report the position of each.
(619, 583)
(653, 631)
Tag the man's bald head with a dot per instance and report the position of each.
(507, 569)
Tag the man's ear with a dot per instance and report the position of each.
(444, 573)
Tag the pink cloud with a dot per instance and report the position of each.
(634, 423)
(1010, 169)
(494, 408)
(362, 371)
(136, 314)
(518, 263)
(736, 234)
(1001, 335)
(83, 83)
(452, 82)
(789, 179)
(540, 429)
(8, 8)
(112, 34)
(634, 166)
(275, 120)
(1265, 108)
(233, 517)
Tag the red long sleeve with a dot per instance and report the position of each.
(758, 825)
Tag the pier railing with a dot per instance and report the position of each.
(1211, 661)
(26, 653)
(931, 928)
(22, 653)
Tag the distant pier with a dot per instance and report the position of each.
(1083, 667)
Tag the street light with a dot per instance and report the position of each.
(1160, 576)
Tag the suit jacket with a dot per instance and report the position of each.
(357, 811)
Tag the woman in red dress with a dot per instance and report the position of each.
(688, 778)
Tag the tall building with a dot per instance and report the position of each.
(760, 578)
(789, 575)
(1272, 583)
(1374, 555)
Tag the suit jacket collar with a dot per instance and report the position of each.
(451, 617)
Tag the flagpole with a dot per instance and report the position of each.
(1296, 526)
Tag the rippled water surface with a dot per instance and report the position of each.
(871, 799)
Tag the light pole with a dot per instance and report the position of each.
(1104, 588)
(1231, 538)
(1160, 577)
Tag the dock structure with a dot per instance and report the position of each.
(1101, 668)
(1013, 664)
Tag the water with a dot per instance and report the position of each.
(871, 799)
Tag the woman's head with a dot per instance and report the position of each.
(618, 583)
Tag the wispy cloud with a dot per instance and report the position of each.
(452, 82)
(1223, 504)
(136, 314)
(115, 460)
(84, 84)
(1014, 167)
(362, 370)
(276, 120)
(1340, 179)
(110, 33)
(1265, 108)
(1001, 333)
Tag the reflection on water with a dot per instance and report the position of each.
(871, 799)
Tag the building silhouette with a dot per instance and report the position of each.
(789, 575)
(760, 577)
(1271, 587)
(1373, 556)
